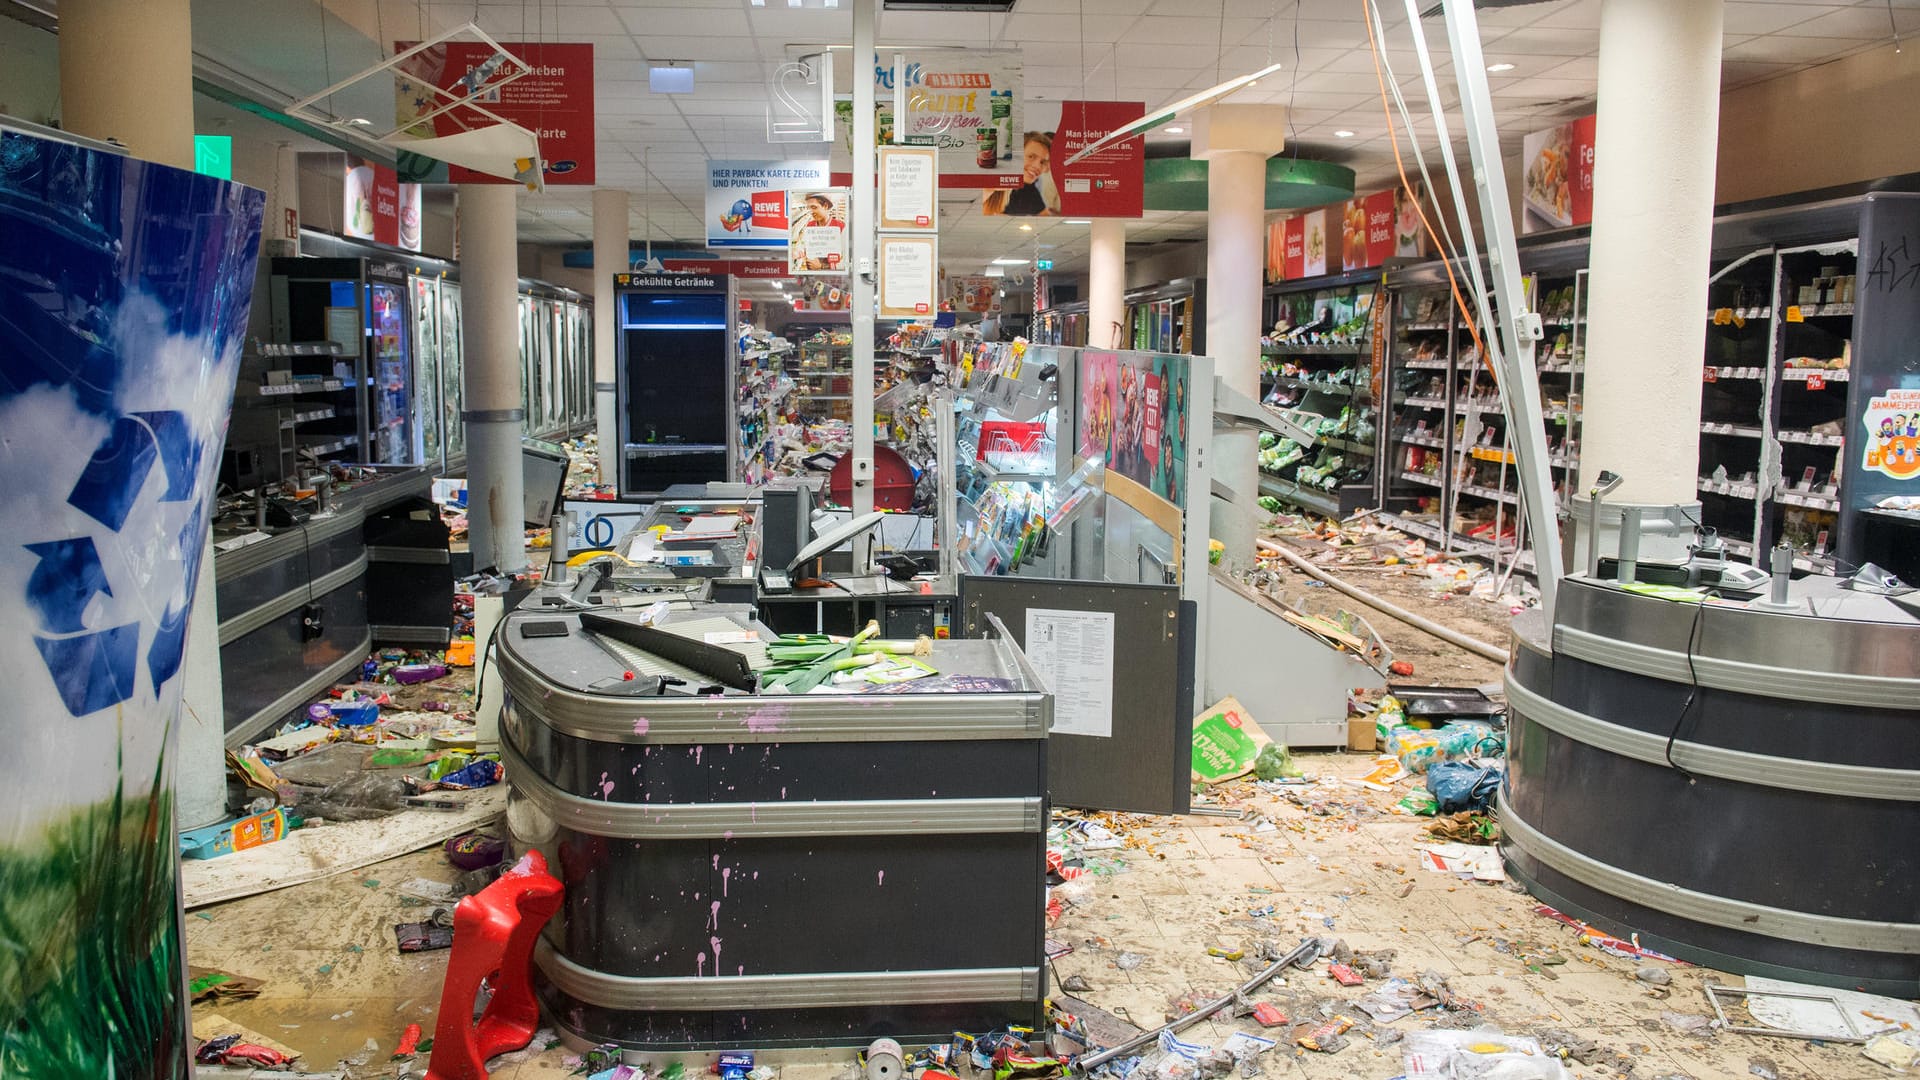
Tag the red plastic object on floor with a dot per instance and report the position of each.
(493, 935)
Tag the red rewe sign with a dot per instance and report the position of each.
(554, 101)
(769, 209)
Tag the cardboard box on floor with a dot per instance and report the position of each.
(1225, 742)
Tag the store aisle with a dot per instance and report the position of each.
(1328, 857)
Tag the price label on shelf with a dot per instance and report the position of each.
(1816, 382)
(1793, 314)
(1711, 374)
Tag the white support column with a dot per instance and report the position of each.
(1107, 283)
(861, 222)
(495, 415)
(281, 228)
(1235, 142)
(611, 238)
(126, 73)
(1653, 184)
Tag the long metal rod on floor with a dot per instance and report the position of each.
(1451, 637)
(1304, 954)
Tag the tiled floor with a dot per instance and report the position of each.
(334, 980)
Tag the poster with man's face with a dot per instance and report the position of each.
(817, 231)
(1106, 184)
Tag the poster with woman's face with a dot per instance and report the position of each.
(1096, 403)
(817, 231)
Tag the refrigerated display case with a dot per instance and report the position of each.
(391, 425)
(453, 368)
(427, 420)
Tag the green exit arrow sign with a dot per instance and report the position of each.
(1043, 265)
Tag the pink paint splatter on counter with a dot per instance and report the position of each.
(640, 725)
(756, 875)
(702, 969)
(697, 751)
(768, 720)
(715, 942)
(716, 862)
(606, 786)
(713, 916)
(883, 877)
(724, 876)
(740, 970)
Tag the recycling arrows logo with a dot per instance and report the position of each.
(94, 668)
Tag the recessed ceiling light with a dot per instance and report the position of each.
(1343, 133)
(1175, 130)
(1498, 68)
(1024, 227)
(994, 271)
(670, 79)
(1079, 221)
(1010, 261)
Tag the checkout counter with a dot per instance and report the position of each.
(1735, 782)
(753, 869)
(293, 597)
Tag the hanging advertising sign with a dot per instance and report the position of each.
(554, 101)
(410, 216)
(1313, 227)
(966, 103)
(1371, 229)
(1108, 183)
(1558, 178)
(975, 293)
(909, 188)
(370, 202)
(909, 276)
(817, 231)
(1892, 443)
(747, 200)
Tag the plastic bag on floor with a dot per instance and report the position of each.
(1458, 787)
(1480, 1054)
(357, 798)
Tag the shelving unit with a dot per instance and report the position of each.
(307, 407)
(1167, 319)
(1774, 399)
(822, 374)
(1320, 360)
(761, 390)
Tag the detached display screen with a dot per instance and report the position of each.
(673, 354)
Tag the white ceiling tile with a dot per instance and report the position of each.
(702, 22)
(1575, 14)
(1765, 18)
(664, 47)
(1064, 27)
(1546, 41)
(1869, 23)
(1784, 48)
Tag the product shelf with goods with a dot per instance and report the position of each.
(1169, 318)
(1734, 394)
(1065, 324)
(1813, 342)
(1319, 361)
(761, 389)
